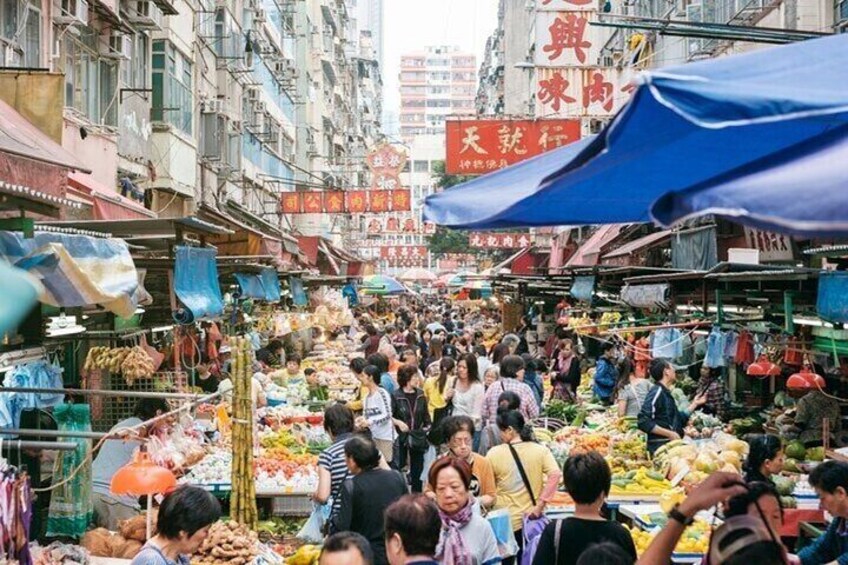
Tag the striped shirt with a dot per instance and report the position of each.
(529, 409)
(333, 460)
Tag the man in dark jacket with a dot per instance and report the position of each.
(366, 496)
(659, 417)
(412, 418)
(830, 479)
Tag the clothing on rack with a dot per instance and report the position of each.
(71, 508)
(744, 349)
(642, 356)
(15, 515)
(38, 374)
(731, 341)
(666, 343)
(715, 349)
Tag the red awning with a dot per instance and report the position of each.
(589, 252)
(20, 137)
(108, 204)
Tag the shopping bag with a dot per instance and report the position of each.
(501, 524)
(533, 528)
(313, 530)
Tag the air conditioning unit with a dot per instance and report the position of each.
(258, 122)
(213, 106)
(72, 12)
(259, 16)
(118, 46)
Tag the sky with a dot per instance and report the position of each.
(412, 25)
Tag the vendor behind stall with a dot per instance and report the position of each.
(271, 355)
(293, 372)
(317, 391)
(659, 416)
(109, 509)
(810, 413)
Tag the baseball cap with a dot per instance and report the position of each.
(737, 535)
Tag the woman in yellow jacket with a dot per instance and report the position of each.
(439, 388)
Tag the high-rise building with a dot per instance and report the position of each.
(369, 17)
(434, 84)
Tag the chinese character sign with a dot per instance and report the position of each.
(404, 255)
(772, 246)
(385, 162)
(573, 92)
(499, 240)
(481, 146)
(339, 202)
(567, 39)
(564, 5)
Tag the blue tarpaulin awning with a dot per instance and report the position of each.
(711, 127)
(264, 285)
(196, 284)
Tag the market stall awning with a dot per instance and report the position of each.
(76, 270)
(704, 124)
(589, 253)
(646, 242)
(510, 260)
(108, 204)
(18, 136)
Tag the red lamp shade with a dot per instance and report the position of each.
(809, 379)
(142, 477)
(798, 382)
(762, 367)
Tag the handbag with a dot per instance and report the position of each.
(532, 527)
(436, 436)
(416, 439)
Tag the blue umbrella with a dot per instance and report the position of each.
(382, 285)
(685, 127)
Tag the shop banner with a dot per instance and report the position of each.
(340, 202)
(499, 240)
(481, 146)
(565, 39)
(565, 5)
(404, 255)
(773, 247)
(588, 91)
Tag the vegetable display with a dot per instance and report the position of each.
(228, 543)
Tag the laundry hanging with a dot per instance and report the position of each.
(38, 374)
(71, 508)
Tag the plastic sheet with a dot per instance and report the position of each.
(832, 302)
(196, 284)
(583, 288)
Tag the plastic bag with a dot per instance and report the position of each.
(151, 351)
(313, 530)
(501, 524)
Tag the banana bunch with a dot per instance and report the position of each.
(305, 555)
(641, 481)
(543, 435)
(106, 358)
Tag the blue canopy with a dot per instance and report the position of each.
(701, 126)
(264, 285)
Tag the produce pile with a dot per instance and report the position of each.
(723, 453)
(228, 543)
(639, 481)
(702, 425)
(695, 539)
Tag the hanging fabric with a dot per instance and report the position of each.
(715, 349)
(38, 374)
(71, 509)
(583, 288)
(196, 283)
(694, 250)
(645, 295)
(666, 343)
(297, 292)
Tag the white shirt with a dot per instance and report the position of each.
(470, 403)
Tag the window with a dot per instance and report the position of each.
(134, 72)
(9, 15)
(172, 98)
(421, 167)
(228, 43)
(91, 83)
(32, 39)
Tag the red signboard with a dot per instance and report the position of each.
(499, 240)
(482, 146)
(338, 202)
(404, 255)
(357, 201)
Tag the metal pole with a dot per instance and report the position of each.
(124, 393)
(51, 433)
(30, 444)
